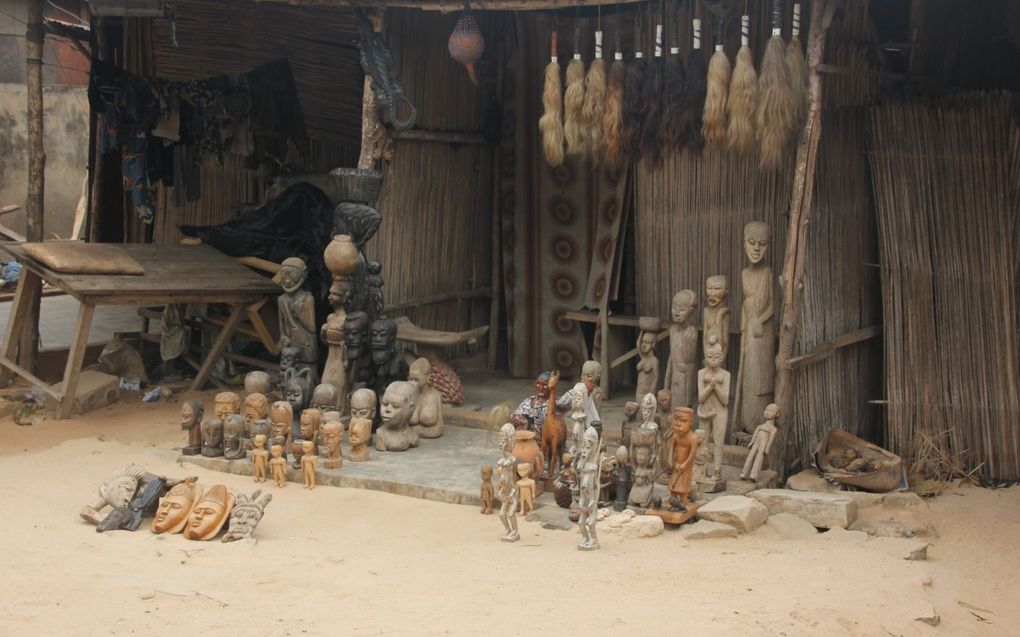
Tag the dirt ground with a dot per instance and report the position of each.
(353, 562)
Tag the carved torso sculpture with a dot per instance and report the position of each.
(713, 403)
(630, 422)
(757, 335)
(682, 369)
(308, 461)
(397, 407)
(359, 437)
(525, 488)
(246, 515)
(260, 457)
(487, 492)
(716, 316)
(332, 438)
(212, 438)
(280, 423)
(191, 421)
(115, 491)
(648, 363)
(578, 419)
(297, 312)
(701, 460)
(664, 419)
(209, 514)
(174, 508)
(233, 430)
(324, 398)
(389, 364)
(591, 375)
(761, 443)
(588, 464)
(685, 445)
(428, 412)
(506, 480)
(278, 465)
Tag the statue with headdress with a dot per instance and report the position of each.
(246, 515)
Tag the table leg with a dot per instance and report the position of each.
(15, 322)
(75, 357)
(260, 328)
(236, 312)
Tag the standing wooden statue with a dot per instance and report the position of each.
(756, 374)
(260, 457)
(648, 363)
(685, 446)
(761, 442)
(526, 488)
(487, 492)
(715, 320)
(297, 312)
(278, 465)
(682, 369)
(506, 468)
(713, 409)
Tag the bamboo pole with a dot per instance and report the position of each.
(801, 208)
(28, 352)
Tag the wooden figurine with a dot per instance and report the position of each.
(664, 419)
(115, 491)
(648, 363)
(280, 419)
(226, 403)
(324, 397)
(398, 405)
(588, 467)
(278, 465)
(308, 460)
(257, 382)
(260, 457)
(311, 420)
(427, 419)
(682, 368)
(174, 508)
(389, 364)
(621, 478)
(297, 312)
(525, 488)
(756, 373)
(713, 407)
(246, 515)
(209, 514)
(507, 483)
(192, 412)
(212, 438)
(580, 415)
(685, 446)
(341, 258)
(630, 422)
(701, 459)
(642, 466)
(363, 404)
(256, 408)
(716, 316)
(233, 430)
(332, 437)
(297, 390)
(359, 437)
(591, 376)
(487, 490)
(553, 431)
(360, 372)
(761, 442)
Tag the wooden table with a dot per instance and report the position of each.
(173, 274)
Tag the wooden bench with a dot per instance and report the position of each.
(432, 343)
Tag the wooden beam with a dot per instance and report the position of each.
(453, 7)
(12, 234)
(801, 208)
(496, 232)
(75, 358)
(834, 69)
(623, 358)
(218, 346)
(828, 348)
(6, 210)
(35, 35)
(438, 136)
(479, 293)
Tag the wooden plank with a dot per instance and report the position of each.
(619, 360)
(10, 233)
(16, 320)
(828, 348)
(260, 264)
(30, 377)
(260, 329)
(218, 346)
(75, 357)
(9, 209)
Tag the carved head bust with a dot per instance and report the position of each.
(419, 374)
(256, 407)
(292, 274)
(683, 418)
(210, 514)
(756, 241)
(192, 412)
(233, 429)
(355, 334)
(120, 485)
(311, 418)
(330, 416)
(281, 417)
(713, 353)
(591, 373)
(664, 397)
(363, 404)
(226, 404)
(360, 434)
(288, 358)
(257, 382)
(398, 404)
(295, 392)
(212, 437)
(332, 438)
(579, 398)
(384, 339)
(648, 408)
(259, 427)
(684, 304)
(324, 397)
(716, 289)
(174, 507)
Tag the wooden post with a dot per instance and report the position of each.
(372, 131)
(28, 351)
(496, 218)
(801, 207)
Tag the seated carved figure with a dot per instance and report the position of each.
(427, 419)
(397, 407)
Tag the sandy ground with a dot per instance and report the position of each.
(352, 562)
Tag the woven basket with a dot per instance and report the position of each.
(356, 185)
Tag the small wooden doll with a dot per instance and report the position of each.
(308, 461)
(260, 458)
(487, 490)
(525, 488)
(278, 464)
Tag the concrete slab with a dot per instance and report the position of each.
(444, 469)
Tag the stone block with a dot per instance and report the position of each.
(823, 510)
(788, 525)
(95, 390)
(740, 512)
(640, 526)
(903, 501)
(706, 530)
(841, 535)
(811, 480)
(904, 549)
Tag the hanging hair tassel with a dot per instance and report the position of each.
(777, 110)
(651, 95)
(612, 117)
(594, 102)
(714, 125)
(798, 71)
(743, 93)
(551, 122)
(573, 101)
(674, 77)
(632, 107)
(697, 88)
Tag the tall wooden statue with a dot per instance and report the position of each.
(756, 373)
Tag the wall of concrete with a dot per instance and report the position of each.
(66, 128)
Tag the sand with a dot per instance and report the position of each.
(353, 562)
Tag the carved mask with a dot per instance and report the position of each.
(210, 513)
(174, 507)
(716, 289)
